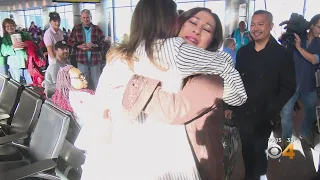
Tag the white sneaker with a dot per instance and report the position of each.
(263, 177)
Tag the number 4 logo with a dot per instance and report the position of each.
(288, 151)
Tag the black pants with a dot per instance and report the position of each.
(254, 146)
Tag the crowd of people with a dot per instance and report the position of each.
(46, 53)
(171, 76)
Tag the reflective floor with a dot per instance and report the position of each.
(303, 166)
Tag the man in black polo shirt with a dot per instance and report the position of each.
(268, 74)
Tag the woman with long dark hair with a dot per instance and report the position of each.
(202, 28)
(212, 39)
(151, 51)
(150, 40)
(213, 34)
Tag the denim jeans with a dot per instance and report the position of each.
(309, 101)
(17, 73)
(4, 69)
(93, 72)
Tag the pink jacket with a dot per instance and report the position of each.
(200, 101)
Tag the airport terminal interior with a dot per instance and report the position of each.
(53, 70)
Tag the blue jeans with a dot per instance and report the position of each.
(93, 72)
(309, 101)
(4, 69)
(17, 73)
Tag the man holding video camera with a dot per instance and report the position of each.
(306, 58)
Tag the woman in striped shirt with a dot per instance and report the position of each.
(151, 51)
(190, 20)
(201, 28)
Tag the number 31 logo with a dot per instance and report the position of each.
(274, 151)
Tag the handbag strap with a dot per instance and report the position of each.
(203, 113)
(200, 169)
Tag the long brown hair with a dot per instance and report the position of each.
(151, 20)
(217, 37)
(7, 21)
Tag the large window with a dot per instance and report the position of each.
(312, 8)
(66, 15)
(121, 18)
(33, 16)
(3, 15)
(134, 2)
(122, 27)
(217, 7)
(260, 5)
(281, 11)
(122, 3)
(189, 5)
(51, 9)
(20, 19)
(122, 12)
(251, 11)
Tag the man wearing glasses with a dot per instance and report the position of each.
(306, 58)
(61, 60)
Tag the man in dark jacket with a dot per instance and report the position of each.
(268, 73)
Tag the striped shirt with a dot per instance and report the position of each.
(179, 60)
(182, 60)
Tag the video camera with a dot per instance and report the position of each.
(296, 24)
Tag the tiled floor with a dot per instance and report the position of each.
(304, 166)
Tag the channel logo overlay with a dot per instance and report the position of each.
(274, 151)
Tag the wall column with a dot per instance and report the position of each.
(76, 7)
(236, 10)
(103, 16)
(45, 17)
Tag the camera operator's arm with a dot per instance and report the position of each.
(313, 58)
